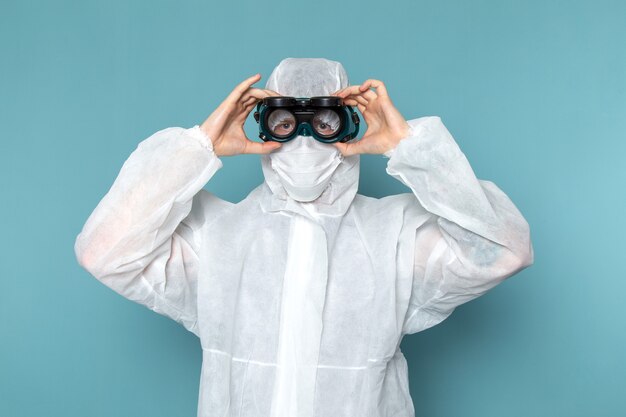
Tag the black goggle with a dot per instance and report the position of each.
(325, 118)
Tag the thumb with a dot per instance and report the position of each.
(261, 147)
(348, 149)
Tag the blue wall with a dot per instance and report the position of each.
(534, 92)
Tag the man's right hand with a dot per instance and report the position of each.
(225, 125)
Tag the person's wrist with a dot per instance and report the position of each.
(206, 131)
(203, 137)
(395, 137)
(210, 137)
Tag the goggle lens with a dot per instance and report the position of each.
(281, 123)
(326, 123)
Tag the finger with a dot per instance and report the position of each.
(272, 93)
(365, 92)
(353, 102)
(250, 98)
(361, 100)
(243, 86)
(357, 97)
(338, 91)
(369, 94)
(348, 149)
(258, 93)
(261, 147)
(358, 101)
(377, 84)
(245, 111)
(249, 101)
(355, 91)
(341, 147)
(350, 90)
(350, 102)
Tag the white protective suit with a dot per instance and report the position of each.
(300, 307)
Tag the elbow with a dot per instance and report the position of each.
(85, 256)
(526, 257)
(524, 251)
(519, 252)
(507, 264)
(520, 257)
(510, 260)
(516, 262)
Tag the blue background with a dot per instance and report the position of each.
(534, 93)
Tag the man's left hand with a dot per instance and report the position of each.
(385, 125)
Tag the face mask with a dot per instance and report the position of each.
(305, 167)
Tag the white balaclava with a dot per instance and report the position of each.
(304, 165)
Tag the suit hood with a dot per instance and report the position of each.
(308, 77)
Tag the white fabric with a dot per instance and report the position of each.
(305, 166)
(272, 285)
(300, 331)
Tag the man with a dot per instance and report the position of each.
(301, 293)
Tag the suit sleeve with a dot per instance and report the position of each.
(474, 236)
(143, 237)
